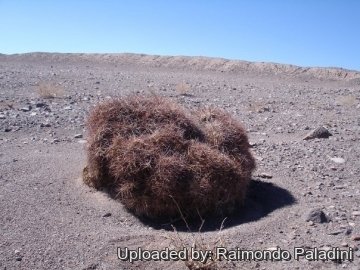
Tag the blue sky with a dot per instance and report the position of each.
(302, 32)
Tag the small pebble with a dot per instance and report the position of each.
(265, 175)
(335, 232)
(45, 125)
(338, 160)
(26, 109)
(40, 104)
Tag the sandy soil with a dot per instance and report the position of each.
(50, 220)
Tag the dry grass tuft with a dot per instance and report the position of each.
(157, 159)
(49, 90)
(183, 88)
(200, 242)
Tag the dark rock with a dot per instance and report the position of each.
(40, 104)
(348, 231)
(336, 232)
(107, 215)
(92, 266)
(317, 216)
(320, 132)
(45, 125)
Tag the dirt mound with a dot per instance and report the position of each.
(158, 160)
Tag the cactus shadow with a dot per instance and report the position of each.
(262, 199)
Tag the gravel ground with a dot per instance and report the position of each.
(305, 193)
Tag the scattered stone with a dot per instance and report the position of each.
(40, 104)
(272, 248)
(344, 244)
(19, 259)
(45, 125)
(56, 140)
(17, 252)
(26, 108)
(338, 160)
(263, 109)
(68, 108)
(356, 237)
(92, 266)
(340, 187)
(2, 116)
(320, 132)
(265, 175)
(107, 215)
(252, 144)
(78, 136)
(317, 216)
(355, 213)
(348, 231)
(326, 248)
(7, 129)
(336, 232)
(33, 113)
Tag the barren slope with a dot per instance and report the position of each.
(50, 220)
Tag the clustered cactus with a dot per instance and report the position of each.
(158, 159)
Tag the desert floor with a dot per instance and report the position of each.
(50, 220)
